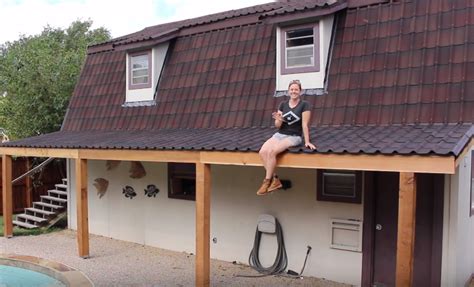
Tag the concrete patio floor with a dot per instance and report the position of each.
(120, 263)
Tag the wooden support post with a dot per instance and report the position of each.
(203, 202)
(28, 187)
(7, 196)
(82, 209)
(406, 229)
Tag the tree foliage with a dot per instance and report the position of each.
(38, 74)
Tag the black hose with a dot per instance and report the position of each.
(281, 259)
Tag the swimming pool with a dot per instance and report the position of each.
(23, 270)
(15, 276)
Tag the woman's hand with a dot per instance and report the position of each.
(310, 146)
(278, 115)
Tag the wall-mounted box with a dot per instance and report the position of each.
(346, 234)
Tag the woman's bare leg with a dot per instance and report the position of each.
(269, 151)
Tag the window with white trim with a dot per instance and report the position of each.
(300, 49)
(140, 70)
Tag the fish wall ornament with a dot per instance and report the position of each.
(151, 190)
(101, 184)
(112, 164)
(129, 192)
(137, 170)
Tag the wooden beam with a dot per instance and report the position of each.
(39, 152)
(28, 185)
(141, 155)
(406, 230)
(375, 162)
(203, 216)
(396, 163)
(7, 196)
(82, 209)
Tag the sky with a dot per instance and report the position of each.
(29, 17)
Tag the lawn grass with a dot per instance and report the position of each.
(25, 232)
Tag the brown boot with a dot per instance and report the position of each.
(264, 187)
(275, 184)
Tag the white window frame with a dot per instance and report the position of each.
(146, 85)
(315, 67)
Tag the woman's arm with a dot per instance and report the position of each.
(305, 123)
(277, 116)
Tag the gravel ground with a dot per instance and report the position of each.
(119, 263)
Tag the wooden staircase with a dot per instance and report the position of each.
(45, 210)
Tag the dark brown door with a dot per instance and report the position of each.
(380, 233)
(385, 237)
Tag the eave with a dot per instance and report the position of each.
(376, 162)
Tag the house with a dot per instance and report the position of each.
(387, 197)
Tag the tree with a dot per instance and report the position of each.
(38, 74)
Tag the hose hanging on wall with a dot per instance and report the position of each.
(269, 224)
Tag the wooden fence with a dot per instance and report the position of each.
(30, 188)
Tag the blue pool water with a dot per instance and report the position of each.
(19, 277)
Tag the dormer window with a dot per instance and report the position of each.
(303, 54)
(143, 72)
(140, 70)
(300, 49)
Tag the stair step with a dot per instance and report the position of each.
(52, 198)
(24, 224)
(55, 191)
(31, 217)
(64, 180)
(32, 209)
(60, 185)
(47, 205)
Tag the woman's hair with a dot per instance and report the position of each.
(295, 82)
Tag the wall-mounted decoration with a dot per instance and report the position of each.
(129, 192)
(112, 164)
(151, 190)
(101, 184)
(137, 170)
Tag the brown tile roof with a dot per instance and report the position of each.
(396, 69)
(410, 139)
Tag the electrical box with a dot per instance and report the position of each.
(346, 234)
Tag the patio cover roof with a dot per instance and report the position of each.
(446, 139)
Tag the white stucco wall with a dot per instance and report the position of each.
(170, 223)
(458, 227)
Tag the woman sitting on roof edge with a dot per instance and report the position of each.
(292, 120)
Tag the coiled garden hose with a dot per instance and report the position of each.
(281, 259)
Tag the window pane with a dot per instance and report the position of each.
(339, 184)
(140, 80)
(300, 57)
(305, 32)
(140, 73)
(139, 62)
(299, 42)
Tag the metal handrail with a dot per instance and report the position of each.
(33, 170)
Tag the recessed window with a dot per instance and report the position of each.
(140, 70)
(300, 49)
(339, 186)
(182, 181)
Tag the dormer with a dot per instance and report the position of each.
(302, 53)
(303, 41)
(143, 68)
